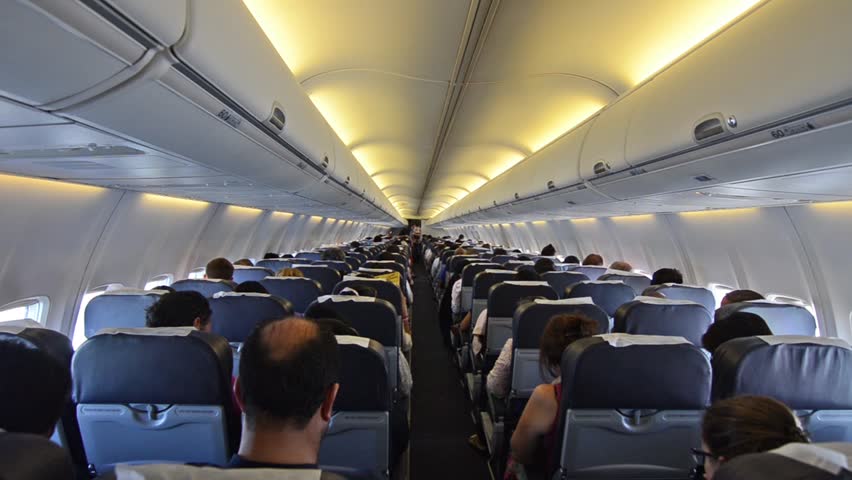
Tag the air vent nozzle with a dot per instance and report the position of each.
(325, 162)
(550, 185)
(601, 168)
(517, 197)
(711, 127)
(277, 119)
(704, 178)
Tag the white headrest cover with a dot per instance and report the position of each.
(797, 339)
(300, 265)
(566, 301)
(344, 298)
(627, 340)
(824, 457)
(664, 301)
(17, 326)
(375, 270)
(149, 332)
(527, 283)
(679, 285)
(246, 267)
(186, 472)
(769, 302)
(610, 271)
(498, 271)
(285, 278)
(134, 291)
(366, 279)
(601, 282)
(353, 340)
(523, 262)
(240, 294)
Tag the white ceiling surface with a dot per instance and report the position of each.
(379, 72)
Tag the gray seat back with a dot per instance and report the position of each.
(327, 277)
(802, 372)
(359, 434)
(692, 293)
(643, 397)
(562, 280)
(251, 274)
(482, 283)
(205, 287)
(470, 271)
(121, 309)
(607, 295)
(635, 281)
(503, 299)
(300, 292)
(591, 271)
(275, 264)
(159, 394)
(662, 316)
(782, 318)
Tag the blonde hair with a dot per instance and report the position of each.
(289, 272)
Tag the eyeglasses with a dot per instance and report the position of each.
(700, 456)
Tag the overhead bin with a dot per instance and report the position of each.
(52, 50)
(163, 20)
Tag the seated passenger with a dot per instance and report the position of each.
(355, 244)
(244, 262)
(499, 251)
(34, 388)
(622, 266)
(548, 251)
(667, 275)
(286, 388)
(571, 259)
(738, 296)
(544, 265)
(524, 258)
(333, 254)
(745, 424)
(481, 325)
(270, 255)
(500, 377)
(735, 325)
(533, 438)
(180, 309)
(219, 269)
(290, 272)
(251, 286)
(594, 260)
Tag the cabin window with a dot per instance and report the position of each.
(253, 261)
(197, 273)
(778, 298)
(163, 280)
(719, 291)
(33, 308)
(79, 335)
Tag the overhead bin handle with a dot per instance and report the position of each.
(713, 126)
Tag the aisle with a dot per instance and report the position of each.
(439, 413)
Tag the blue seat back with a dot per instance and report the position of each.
(309, 255)
(385, 290)
(607, 295)
(635, 281)
(236, 314)
(325, 276)
(662, 316)
(342, 268)
(591, 271)
(692, 293)
(300, 292)
(121, 309)
(503, 299)
(562, 280)
(782, 318)
(251, 274)
(275, 264)
(205, 287)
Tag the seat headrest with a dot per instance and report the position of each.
(190, 472)
(677, 291)
(782, 318)
(24, 456)
(206, 287)
(483, 281)
(640, 373)
(472, 269)
(384, 289)
(117, 310)
(801, 372)
(659, 316)
(132, 291)
(235, 315)
(54, 343)
(791, 461)
(371, 317)
(143, 366)
(530, 319)
(609, 295)
(363, 375)
(503, 297)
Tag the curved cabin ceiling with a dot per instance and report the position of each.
(437, 97)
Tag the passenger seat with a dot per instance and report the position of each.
(663, 316)
(205, 287)
(677, 291)
(782, 318)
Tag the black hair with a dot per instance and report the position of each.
(251, 286)
(524, 258)
(499, 251)
(737, 296)
(164, 288)
(269, 255)
(571, 259)
(333, 254)
(35, 387)
(544, 265)
(527, 275)
(285, 385)
(667, 275)
(364, 290)
(355, 244)
(548, 251)
(735, 325)
(393, 249)
(178, 309)
(220, 269)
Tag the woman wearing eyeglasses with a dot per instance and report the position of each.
(745, 424)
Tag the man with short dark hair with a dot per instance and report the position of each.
(34, 386)
(593, 259)
(270, 255)
(180, 309)
(544, 265)
(287, 386)
(667, 275)
(548, 251)
(737, 296)
(735, 325)
(334, 254)
(219, 269)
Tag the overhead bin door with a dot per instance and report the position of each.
(163, 20)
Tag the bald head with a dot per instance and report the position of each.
(286, 369)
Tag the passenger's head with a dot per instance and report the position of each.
(180, 309)
(460, 251)
(524, 258)
(288, 379)
(544, 265)
(571, 259)
(377, 239)
(561, 331)
(360, 290)
(387, 256)
(738, 296)
(527, 275)
(593, 259)
(666, 275)
(267, 256)
(735, 325)
(393, 249)
(499, 251)
(461, 237)
(333, 254)
(35, 387)
(746, 424)
(219, 269)
(244, 262)
(251, 286)
(290, 272)
(622, 266)
(548, 251)
(355, 244)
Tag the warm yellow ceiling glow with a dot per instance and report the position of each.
(632, 217)
(52, 186)
(579, 111)
(842, 205)
(238, 209)
(283, 214)
(584, 220)
(328, 106)
(719, 212)
(270, 16)
(680, 37)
